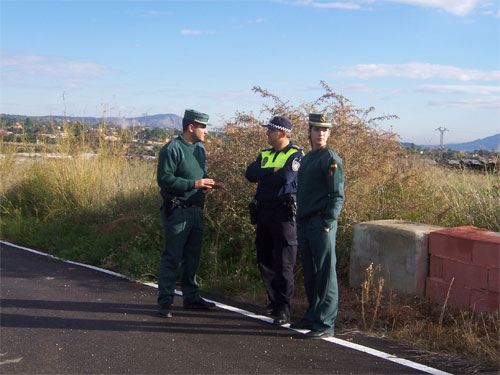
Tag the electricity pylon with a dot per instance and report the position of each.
(442, 129)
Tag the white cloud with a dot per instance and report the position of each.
(459, 89)
(190, 32)
(153, 13)
(196, 32)
(456, 7)
(258, 20)
(320, 4)
(335, 5)
(16, 68)
(488, 102)
(416, 70)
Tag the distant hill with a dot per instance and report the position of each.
(168, 120)
(491, 143)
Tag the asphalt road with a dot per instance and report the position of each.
(61, 318)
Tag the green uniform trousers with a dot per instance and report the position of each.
(182, 238)
(317, 250)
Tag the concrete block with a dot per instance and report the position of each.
(400, 247)
(436, 267)
(459, 297)
(466, 274)
(442, 243)
(494, 280)
(479, 300)
(486, 253)
(436, 289)
(467, 244)
(493, 301)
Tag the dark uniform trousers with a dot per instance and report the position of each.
(317, 250)
(183, 235)
(276, 243)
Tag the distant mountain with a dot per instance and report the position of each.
(491, 143)
(162, 120)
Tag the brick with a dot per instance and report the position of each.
(486, 253)
(436, 267)
(459, 297)
(493, 302)
(436, 289)
(465, 274)
(447, 246)
(494, 280)
(472, 233)
(479, 300)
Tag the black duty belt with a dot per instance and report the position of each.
(189, 205)
(271, 203)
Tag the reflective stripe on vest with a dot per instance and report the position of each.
(268, 156)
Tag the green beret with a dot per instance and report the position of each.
(192, 115)
(320, 119)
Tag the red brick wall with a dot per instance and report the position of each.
(471, 258)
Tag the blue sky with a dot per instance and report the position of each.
(432, 63)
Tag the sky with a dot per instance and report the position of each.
(432, 63)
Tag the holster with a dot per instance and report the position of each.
(170, 203)
(253, 208)
(291, 203)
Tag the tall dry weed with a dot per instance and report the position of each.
(73, 176)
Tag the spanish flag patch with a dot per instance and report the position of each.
(332, 168)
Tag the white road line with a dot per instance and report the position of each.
(361, 348)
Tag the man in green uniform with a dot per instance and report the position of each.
(320, 196)
(182, 177)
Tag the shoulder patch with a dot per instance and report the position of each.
(295, 164)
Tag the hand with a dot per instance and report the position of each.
(218, 186)
(276, 169)
(327, 229)
(204, 183)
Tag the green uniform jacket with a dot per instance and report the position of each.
(180, 164)
(321, 186)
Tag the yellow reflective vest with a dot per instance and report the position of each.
(269, 161)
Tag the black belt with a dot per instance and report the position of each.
(271, 203)
(189, 205)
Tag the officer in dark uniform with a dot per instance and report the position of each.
(320, 197)
(182, 177)
(275, 171)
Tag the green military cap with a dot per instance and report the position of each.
(194, 116)
(320, 119)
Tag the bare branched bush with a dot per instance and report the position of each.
(368, 154)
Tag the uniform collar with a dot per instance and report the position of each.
(285, 149)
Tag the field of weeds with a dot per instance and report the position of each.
(103, 210)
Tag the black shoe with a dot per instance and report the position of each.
(198, 304)
(313, 334)
(270, 310)
(281, 318)
(302, 324)
(164, 312)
